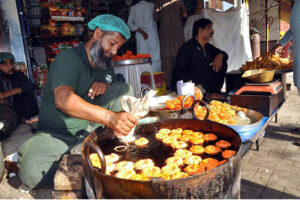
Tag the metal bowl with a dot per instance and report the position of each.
(259, 75)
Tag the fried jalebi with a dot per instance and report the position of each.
(223, 144)
(228, 153)
(212, 150)
(182, 153)
(141, 164)
(174, 161)
(210, 163)
(192, 160)
(141, 142)
(170, 169)
(180, 175)
(197, 149)
(219, 112)
(194, 169)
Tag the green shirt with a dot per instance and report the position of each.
(69, 68)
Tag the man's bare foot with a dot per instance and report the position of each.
(31, 120)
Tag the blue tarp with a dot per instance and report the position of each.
(247, 135)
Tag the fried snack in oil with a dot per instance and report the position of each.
(141, 142)
(164, 131)
(197, 149)
(112, 158)
(174, 161)
(182, 153)
(124, 165)
(222, 162)
(176, 131)
(125, 173)
(192, 160)
(228, 153)
(198, 134)
(223, 144)
(143, 163)
(187, 132)
(179, 145)
(210, 137)
(170, 169)
(169, 140)
(161, 136)
(179, 175)
(194, 169)
(139, 177)
(210, 163)
(212, 149)
(196, 140)
(175, 135)
(110, 167)
(151, 171)
(95, 160)
(162, 175)
(184, 138)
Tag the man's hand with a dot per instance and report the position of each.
(217, 63)
(97, 88)
(122, 122)
(277, 49)
(144, 34)
(2, 97)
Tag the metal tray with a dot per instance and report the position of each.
(251, 122)
(130, 62)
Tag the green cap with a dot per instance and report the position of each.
(6, 55)
(109, 22)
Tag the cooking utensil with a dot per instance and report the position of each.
(220, 182)
(130, 62)
(259, 75)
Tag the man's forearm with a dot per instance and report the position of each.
(76, 107)
(12, 92)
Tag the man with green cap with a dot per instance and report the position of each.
(80, 89)
(16, 90)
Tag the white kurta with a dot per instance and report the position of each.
(294, 32)
(141, 16)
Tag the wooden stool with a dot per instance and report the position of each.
(68, 180)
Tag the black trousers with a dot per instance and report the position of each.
(215, 80)
(26, 105)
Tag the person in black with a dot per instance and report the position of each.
(200, 62)
(16, 90)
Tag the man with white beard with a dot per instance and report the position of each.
(80, 89)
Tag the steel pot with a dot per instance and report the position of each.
(220, 182)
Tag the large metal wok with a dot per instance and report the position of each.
(220, 182)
